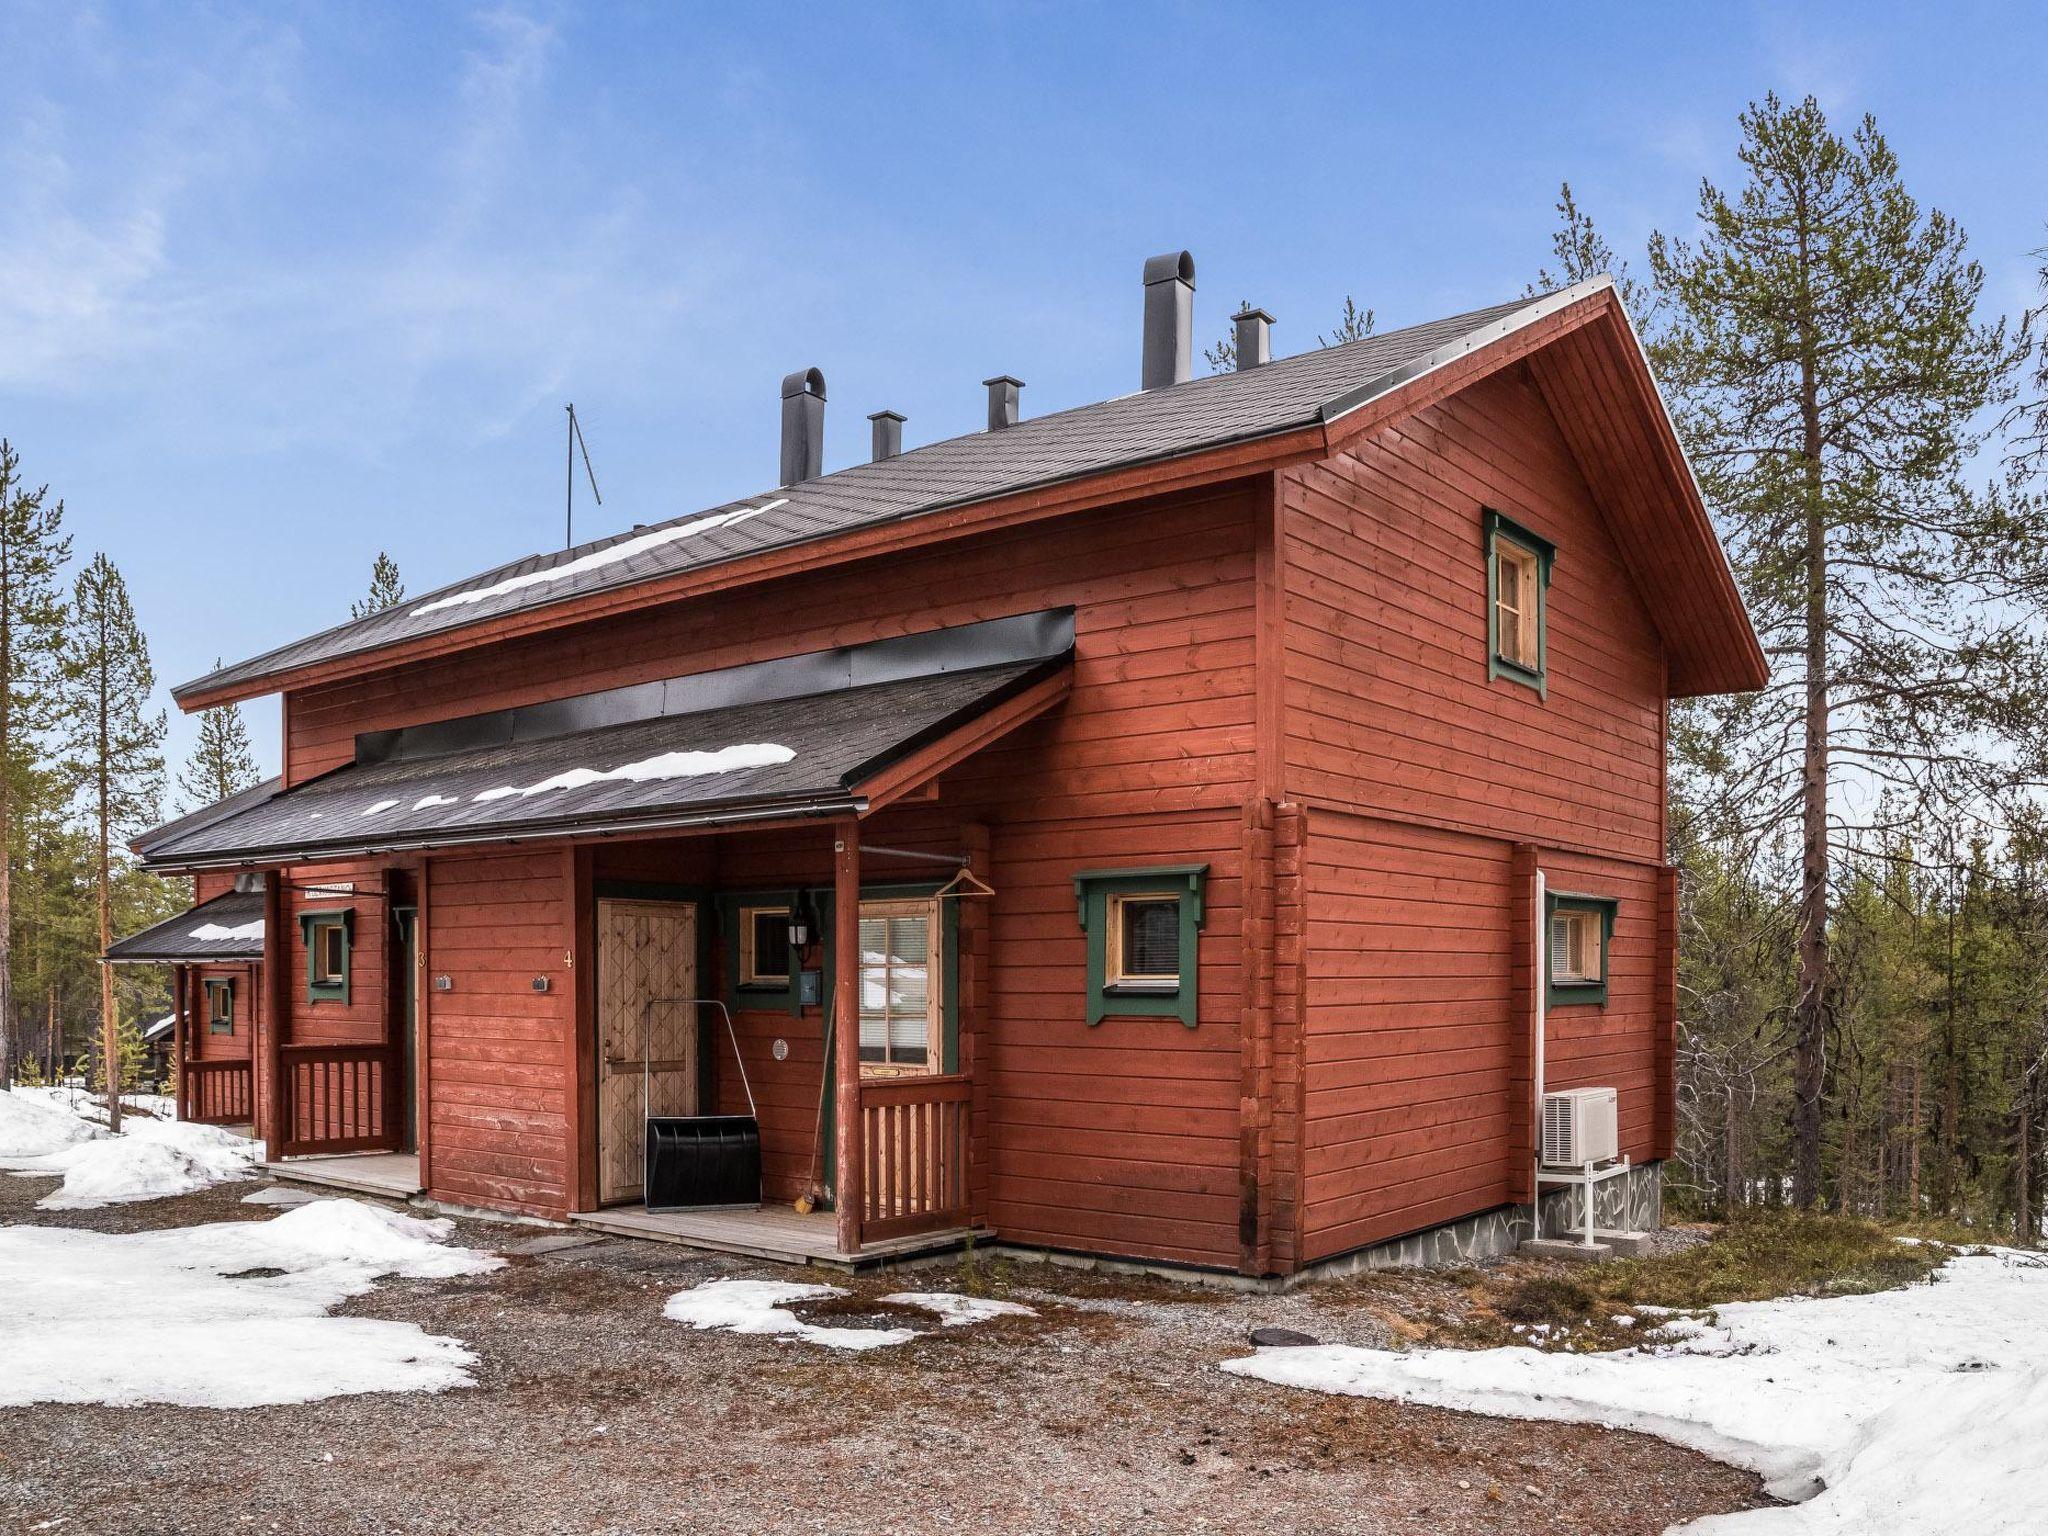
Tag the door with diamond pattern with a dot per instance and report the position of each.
(646, 1032)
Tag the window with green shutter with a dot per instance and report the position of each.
(1142, 927)
(1578, 932)
(329, 939)
(1517, 602)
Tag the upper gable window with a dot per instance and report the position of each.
(1517, 599)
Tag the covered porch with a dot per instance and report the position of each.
(556, 933)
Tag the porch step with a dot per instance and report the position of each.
(773, 1232)
(393, 1175)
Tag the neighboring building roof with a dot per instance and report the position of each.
(228, 929)
(784, 757)
(1088, 440)
(161, 1027)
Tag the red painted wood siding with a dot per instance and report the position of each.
(497, 1050)
(1389, 709)
(1123, 1137)
(1421, 776)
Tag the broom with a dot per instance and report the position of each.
(812, 1196)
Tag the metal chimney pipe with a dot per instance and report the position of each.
(887, 435)
(1002, 401)
(803, 426)
(1169, 320)
(1254, 338)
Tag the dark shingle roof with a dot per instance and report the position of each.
(1067, 445)
(834, 741)
(177, 938)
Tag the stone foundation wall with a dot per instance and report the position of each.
(1634, 1202)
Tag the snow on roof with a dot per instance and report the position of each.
(668, 765)
(597, 559)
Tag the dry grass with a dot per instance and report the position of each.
(1563, 1306)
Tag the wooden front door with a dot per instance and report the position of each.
(646, 1032)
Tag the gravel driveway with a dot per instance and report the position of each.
(592, 1413)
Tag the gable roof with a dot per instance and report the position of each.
(1311, 390)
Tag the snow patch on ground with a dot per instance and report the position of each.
(158, 1317)
(1911, 1410)
(151, 1159)
(670, 765)
(214, 932)
(956, 1311)
(33, 1126)
(762, 1306)
(611, 554)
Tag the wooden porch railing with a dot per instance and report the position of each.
(216, 1092)
(337, 1098)
(913, 1139)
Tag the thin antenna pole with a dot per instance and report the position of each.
(569, 491)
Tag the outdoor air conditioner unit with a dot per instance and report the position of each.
(1580, 1126)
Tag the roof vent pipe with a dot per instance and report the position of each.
(887, 433)
(1169, 320)
(1254, 341)
(803, 426)
(1002, 401)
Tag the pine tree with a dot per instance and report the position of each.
(386, 589)
(223, 762)
(1832, 380)
(1582, 252)
(114, 746)
(32, 551)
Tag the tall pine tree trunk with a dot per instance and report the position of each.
(1810, 1014)
(110, 1026)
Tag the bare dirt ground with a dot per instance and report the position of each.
(592, 1413)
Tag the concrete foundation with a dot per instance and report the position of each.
(1631, 1203)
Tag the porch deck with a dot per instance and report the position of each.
(772, 1232)
(394, 1175)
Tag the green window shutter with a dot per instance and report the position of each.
(758, 995)
(1094, 890)
(1497, 528)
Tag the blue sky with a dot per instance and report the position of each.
(283, 286)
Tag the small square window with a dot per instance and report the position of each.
(1143, 928)
(1580, 931)
(1517, 596)
(764, 947)
(1144, 941)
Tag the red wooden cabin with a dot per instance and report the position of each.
(1259, 702)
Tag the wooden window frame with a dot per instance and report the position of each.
(752, 979)
(1115, 978)
(777, 995)
(1498, 530)
(320, 987)
(936, 978)
(219, 1021)
(1589, 991)
(1098, 897)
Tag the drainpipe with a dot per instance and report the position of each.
(1542, 990)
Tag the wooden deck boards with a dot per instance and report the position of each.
(395, 1175)
(773, 1232)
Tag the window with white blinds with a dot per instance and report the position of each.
(900, 982)
(1580, 929)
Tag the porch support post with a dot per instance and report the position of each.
(181, 998)
(848, 1197)
(277, 1002)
